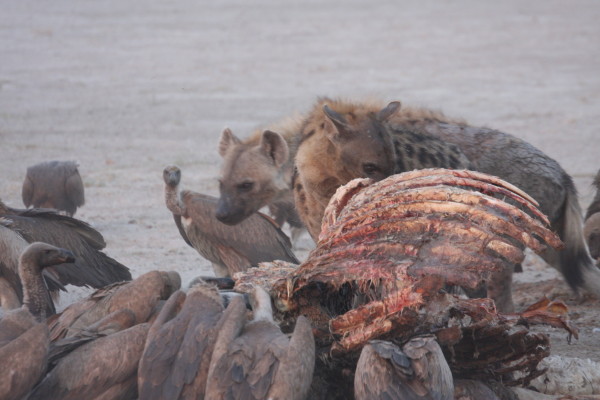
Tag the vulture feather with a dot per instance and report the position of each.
(104, 368)
(417, 372)
(230, 249)
(140, 296)
(54, 184)
(177, 355)
(91, 267)
(23, 351)
(255, 360)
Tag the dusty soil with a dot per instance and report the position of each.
(127, 89)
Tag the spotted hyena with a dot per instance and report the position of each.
(525, 166)
(341, 140)
(257, 172)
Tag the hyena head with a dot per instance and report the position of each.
(251, 174)
(363, 147)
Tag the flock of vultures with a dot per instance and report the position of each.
(419, 221)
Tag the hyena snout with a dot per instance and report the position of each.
(228, 213)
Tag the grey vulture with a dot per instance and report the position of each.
(255, 360)
(179, 346)
(418, 371)
(230, 249)
(92, 267)
(54, 184)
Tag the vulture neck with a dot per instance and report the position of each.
(262, 310)
(36, 297)
(173, 200)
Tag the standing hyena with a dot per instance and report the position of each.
(257, 172)
(518, 162)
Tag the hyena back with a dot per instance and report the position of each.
(520, 163)
(257, 172)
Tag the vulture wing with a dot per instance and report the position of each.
(91, 268)
(256, 239)
(27, 356)
(96, 367)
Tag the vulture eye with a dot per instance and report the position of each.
(245, 186)
(370, 169)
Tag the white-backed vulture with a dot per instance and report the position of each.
(140, 296)
(230, 249)
(255, 360)
(25, 356)
(54, 184)
(418, 371)
(178, 352)
(92, 267)
(104, 368)
(591, 229)
(36, 257)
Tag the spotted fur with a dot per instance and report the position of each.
(257, 172)
(342, 140)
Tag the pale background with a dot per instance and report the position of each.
(126, 88)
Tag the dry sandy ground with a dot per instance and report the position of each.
(127, 88)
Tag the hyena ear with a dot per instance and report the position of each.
(227, 140)
(338, 125)
(389, 111)
(275, 147)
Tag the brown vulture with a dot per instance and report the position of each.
(105, 368)
(230, 249)
(54, 184)
(179, 347)
(24, 353)
(91, 267)
(35, 258)
(140, 296)
(418, 371)
(255, 360)
(24, 335)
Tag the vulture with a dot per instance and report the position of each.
(591, 229)
(54, 184)
(255, 360)
(24, 353)
(230, 249)
(140, 296)
(24, 335)
(179, 347)
(418, 371)
(35, 258)
(105, 368)
(91, 267)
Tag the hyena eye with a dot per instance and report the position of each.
(370, 169)
(245, 186)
